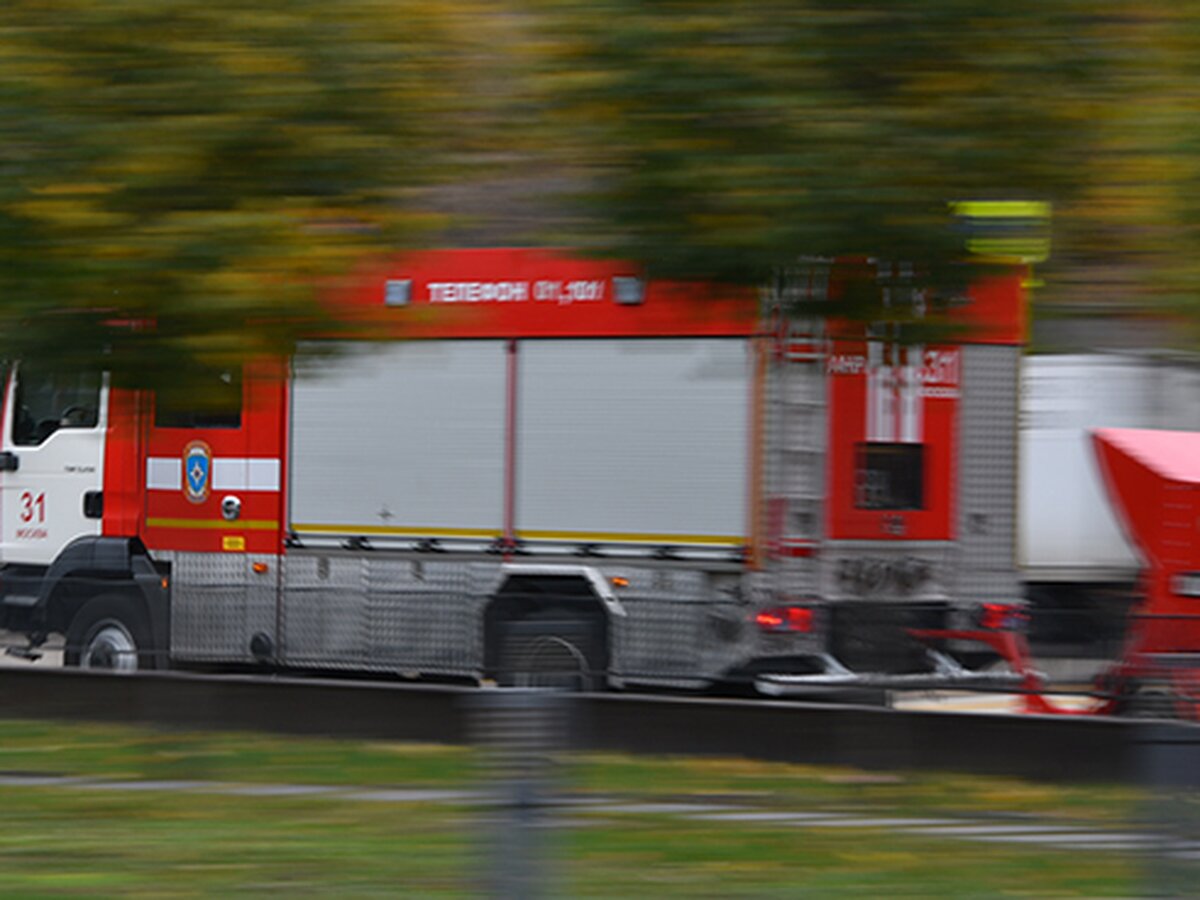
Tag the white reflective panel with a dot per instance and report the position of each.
(231, 473)
(262, 474)
(164, 473)
(228, 474)
(633, 440)
(400, 437)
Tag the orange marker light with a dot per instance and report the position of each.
(619, 582)
(260, 568)
(770, 620)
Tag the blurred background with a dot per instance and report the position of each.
(204, 166)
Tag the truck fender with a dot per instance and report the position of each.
(92, 565)
(563, 609)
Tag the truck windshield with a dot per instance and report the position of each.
(47, 401)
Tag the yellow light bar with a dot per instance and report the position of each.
(1002, 209)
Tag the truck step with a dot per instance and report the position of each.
(26, 653)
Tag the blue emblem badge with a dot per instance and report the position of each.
(197, 470)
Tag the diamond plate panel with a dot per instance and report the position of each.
(261, 598)
(324, 627)
(342, 611)
(986, 567)
(322, 612)
(218, 602)
(210, 569)
(381, 614)
(683, 628)
(382, 574)
(426, 631)
(304, 571)
(657, 639)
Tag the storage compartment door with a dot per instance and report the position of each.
(633, 442)
(399, 441)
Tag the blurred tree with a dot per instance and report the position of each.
(719, 140)
(191, 171)
(195, 171)
(1130, 237)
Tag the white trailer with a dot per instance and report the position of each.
(1079, 566)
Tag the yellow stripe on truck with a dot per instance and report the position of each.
(611, 537)
(620, 537)
(319, 528)
(239, 525)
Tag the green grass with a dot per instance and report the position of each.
(68, 842)
(698, 860)
(127, 752)
(65, 841)
(824, 787)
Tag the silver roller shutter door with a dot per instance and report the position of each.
(407, 436)
(639, 440)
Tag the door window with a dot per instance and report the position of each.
(47, 401)
(208, 401)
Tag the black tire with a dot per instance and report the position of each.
(109, 632)
(557, 653)
(1151, 702)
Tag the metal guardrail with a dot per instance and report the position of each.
(1056, 748)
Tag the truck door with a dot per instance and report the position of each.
(213, 467)
(51, 462)
(213, 507)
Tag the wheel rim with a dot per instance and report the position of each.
(111, 647)
(553, 662)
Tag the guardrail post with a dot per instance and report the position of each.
(517, 732)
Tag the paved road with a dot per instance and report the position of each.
(942, 701)
(51, 653)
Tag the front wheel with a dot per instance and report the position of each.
(110, 633)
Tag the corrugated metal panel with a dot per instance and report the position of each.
(633, 440)
(406, 438)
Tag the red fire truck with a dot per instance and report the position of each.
(513, 462)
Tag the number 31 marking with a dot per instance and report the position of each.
(33, 506)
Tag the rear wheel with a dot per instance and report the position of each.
(563, 653)
(110, 633)
(551, 661)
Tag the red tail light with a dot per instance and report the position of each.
(785, 618)
(999, 616)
